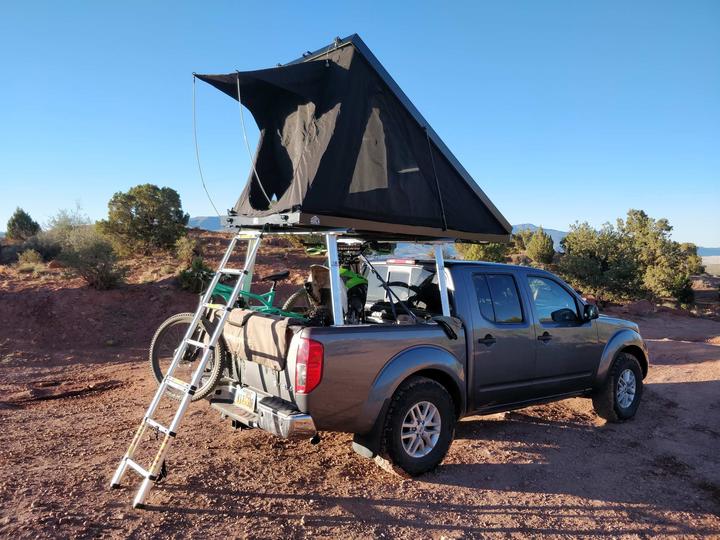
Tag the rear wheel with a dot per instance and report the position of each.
(619, 397)
(298, 302)
(165, 342)
(419, 427)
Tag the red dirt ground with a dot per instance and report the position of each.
(75, 382)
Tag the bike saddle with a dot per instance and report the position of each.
(277, 276)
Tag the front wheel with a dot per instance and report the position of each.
(166, 341)
(618, 398)
(419, 427)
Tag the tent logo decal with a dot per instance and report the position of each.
(314, 220)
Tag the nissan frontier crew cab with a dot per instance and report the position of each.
(399, 381)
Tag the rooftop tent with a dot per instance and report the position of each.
(341, 146)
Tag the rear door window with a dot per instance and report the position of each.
(498, 298)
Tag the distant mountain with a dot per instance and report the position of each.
(208, 223)
(556, 235)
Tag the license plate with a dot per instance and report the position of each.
(246, 399)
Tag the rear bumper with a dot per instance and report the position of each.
(272, 415)
(288, 426)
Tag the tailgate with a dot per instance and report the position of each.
(261, 345)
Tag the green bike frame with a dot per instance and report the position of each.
(266, 301)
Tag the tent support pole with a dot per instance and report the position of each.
(250, 261)
(442, 282)
(335, 281)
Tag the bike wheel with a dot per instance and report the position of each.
(165, 342)
(299, 302)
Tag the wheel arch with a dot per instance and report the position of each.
(640, 355)
(432, 362)
(625, 340)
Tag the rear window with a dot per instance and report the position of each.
(400, 279)
(498, 298)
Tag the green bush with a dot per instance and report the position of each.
(30, 256)
(635, 259)
(145, 218)
(61, 225)
(491, 251)
(540, 248)
(91, 255)
(21, 226)
(196, 276)
(187, 249)
(45, 244)
(521, 239)
(693, 261)
(600, 263)
(49, 242)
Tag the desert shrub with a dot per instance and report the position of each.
(635, 259)
(30, 256)
(521, 239)
(145, 218)
(491, 251)
(61, 225)
(693, 261)
(21, 226)
(45, 244)
(665, 266)
(186, 249)
(27, 268)
(306, 240)
(540, 248)
(600, 263)
(195, 277)
(91, 255)
(50, 241)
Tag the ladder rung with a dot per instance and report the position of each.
(177, 384)
(233, 271)
(162, 429)
(198, 344)
(217, 307)
(139, 469)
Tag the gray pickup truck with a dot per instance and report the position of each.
(521, 336)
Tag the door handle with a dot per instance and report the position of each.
(545, 337)
(487, 340)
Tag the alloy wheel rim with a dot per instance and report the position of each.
(421, 429)
(626, 388)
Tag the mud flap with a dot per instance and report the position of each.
(368, 444)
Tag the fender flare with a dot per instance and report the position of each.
(420, 359)
(622, 339)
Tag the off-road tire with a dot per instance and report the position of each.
(411, 392)
(605, 400)
(300, 294)
(218, 361)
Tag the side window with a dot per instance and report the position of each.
(483, 297)
(552, 302)
(498, 298)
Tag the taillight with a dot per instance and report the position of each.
(308, 365)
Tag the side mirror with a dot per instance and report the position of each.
(590, 312)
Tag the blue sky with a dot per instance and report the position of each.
(561, 111)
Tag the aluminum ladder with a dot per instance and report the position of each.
(187, 390)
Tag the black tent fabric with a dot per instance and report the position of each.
(341, 146)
